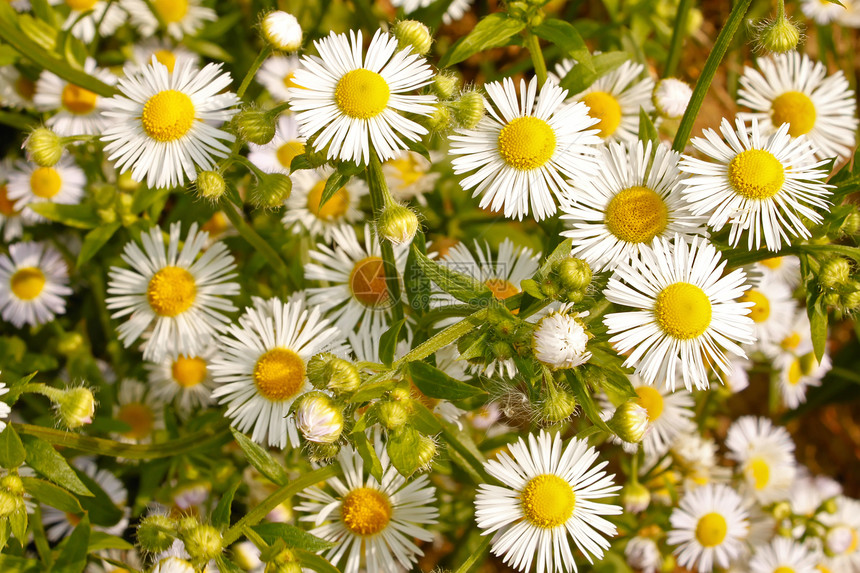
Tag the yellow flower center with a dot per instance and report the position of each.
(171, 11)
(605, 107)
(77, 100)
(361, 94)
(759, 470)
(27, 283)
(772, 263)
(81, 5)
(783, 569)
(761, 309)
(279, 374)
(367, 282)
(188, 371)
(168, 115)
(45, 182)
(711, 529)
(166, 58)
(140, 419)
(756, 174)
(548, 501)
(365, 511)
(795, 109)
(171, 291)
(791, 342)
(288, 80)
(7, 207)
(795, 372)
(683, 311)
(526, 143)
(408, 170)
(823, 569)
(216, 224)
(289, 151)
(334, 208)
(636, 215)
(651, 400)
(501, 288)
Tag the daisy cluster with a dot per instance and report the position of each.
(279, 298)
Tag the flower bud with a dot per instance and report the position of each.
(282, 31)
(559, 341)
(835, 272)
(502, 350)
(782, 510)
(574, 274)
(427, 450)
(75, 407)
(838, 540)
(851, 225)
(210, 185)
(412, 34)
(9, 503)
(779, 36)
(255, 125)
(322, 453)
(671, 98)
(271, 190)
(469, 110)
(327, 371)
(558, 406)
(830, 506)
(392, 415)
(441, 120)
(284, 562)
(202, 542)
(44, 147)
(398, 224)
(318, 419)
(630, 422)
(13, 484)
(444, 85)
(635, 497)
(70, 342)
(153, 533)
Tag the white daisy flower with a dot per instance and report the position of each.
(277, 155)
(772, 311)
(765, 457)
(559, 340)
(793, 89)
(29, 184)
(409, 177)
(696, 457)
(33, 281)
(10, 217)
(615, 99)
(799, 372)
(282, 30)
(85, 15)
(785, 269)
(5, 409)
(276, 75)
(136, 407)
(823, 12)
(809, 492)
(357, 293)
(183, 380)
(163, 125)
(178, 292)
(165, 51)
(373, 525)
(354, 102)
(671, 97)
(546, 504)
(634, 198)
(524, 151)
(756, 184)
(79, 111)
(783, 555)
(16, 90)
(304, 212)
(687, 316)
(262, 367)
(643, 554)
(670, 414)
(843, 534)
(180, 17)
(737, 378)
(708, 526)
(455, 11)
(795, 339)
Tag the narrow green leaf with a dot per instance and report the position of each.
(95, 240)
(50, 494)
(12, 452)
(585, 399)
(73, 556)
(78, 216)
(368, 454)
(221, 514)
(227, 566)
(144, 197)
(567, 38)
(300, 162)
(647, 131)
(20, 121)
(315, 562)
(462, 287)
(260, 458)
(45, 460)
(388, 342)
(580, 77)
(345, 172)
(4, 535)
(39, 32)
(493, 31)
(436, 384)
(100, 541)
(818, 327)
(292, 536)
(18, 524)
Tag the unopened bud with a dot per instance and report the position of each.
(412, 34)
(284, 562)
(210, 185)
(835, 272)
(13, 484)
(322, 453)
(851, 225)
(398, 224)
(445, 85)
(70, 342)
(635, 497)
(327, 371)
(469, 109)
(779, 36)
(574, 274)
(630, 422)
(838, 540)
(271, 190)
(75, 407)
(671, 98)
(44, 147)
(282, 31)
(392, 415)
(9, 503)
(255, 125)
(318, 419)
(558, 406)
(782, 510)
(203, 542)
(154, 533)
(427, 450)
(441, 120)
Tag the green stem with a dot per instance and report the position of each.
(780, 10)
(678, 34)
(477, 556)
(380, 197)
(252, 71)
(256, 241)
(284, 493)
(721, 46)
(532, 43)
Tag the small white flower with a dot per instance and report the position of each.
(183, 379)
(318, 420)
(304, 212)
(671, 97)
(772, 312)
(559, 341)
(765, 457)
(276, 75)
(282, 31)
(180, 17)
(643, 554)
(86, 15)
(33, 281)
(78, 110)
(784, 555)
(29, 184)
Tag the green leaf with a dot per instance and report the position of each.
(78, 216)
(18, 524)
(567, 38)
(73, 556)
(818, 327)
(418, 286)
(345, 172)
(368, 454)
(42, 457)
(221, 514)
(100, 541)
(50, 494)
(462, 287)
(585, 399)
(531, 287)
(300, 162)
(39, 32)
(292, 536)
(227, 566)
(388, 342)
(493, 31)
(100, 508)
(403, 447)
(19, 121)
(315, 562)
(647, 131)
(12, 452)
(580, 77)
(436, 384)
(4, 536)
(210, 50)
(95, 240)
(260, 458)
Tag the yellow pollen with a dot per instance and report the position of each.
(367, 282)
(652, 401)
(795, 109)
(636, 215)
(711, 529)
(168, 115)
(139, 417)
(171, 291)
(761, 311)
(188, 371)
(289, 151)
(361, 94)
(783, 569)
(167, 58)
(77, 100)
(683, 311)
(548, 501)
(407, 168)
(526, 143)
(81, 5)
(605, 107)
(501, 288)
(45, 182)
(756, 174)
(772, 263)
(171, 11)
(759, 471)
(27, 283)
(288, 80)
(790, 342)
(795, 372)
(7, 207)
(279, 374)
(365, 511)
(334, 208)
